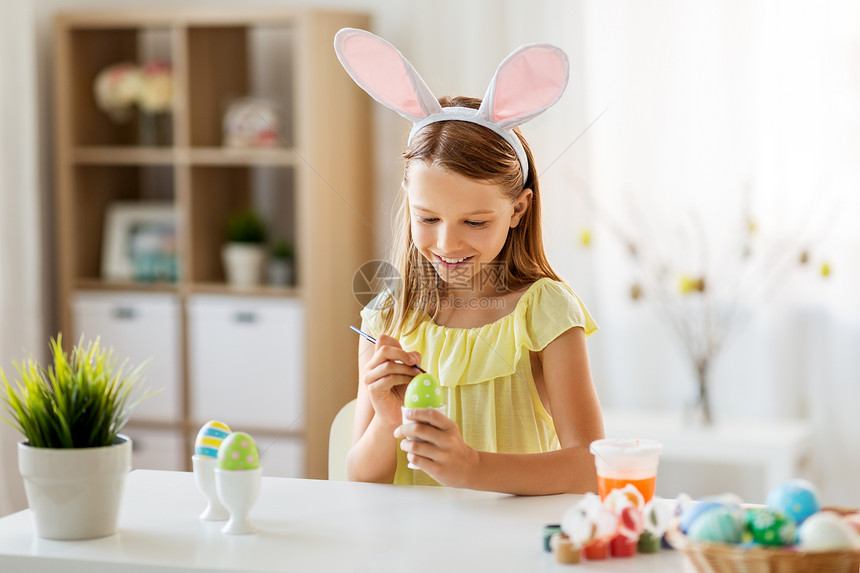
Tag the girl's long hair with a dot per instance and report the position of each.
(475, 152)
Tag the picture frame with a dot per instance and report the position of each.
(140, 242)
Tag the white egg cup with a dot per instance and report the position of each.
(204, 476)
(238, 491)
(403, 411)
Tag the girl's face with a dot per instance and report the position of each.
(459, 224)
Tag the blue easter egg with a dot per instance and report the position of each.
(693, 511)
(718, 524)
(797, 499)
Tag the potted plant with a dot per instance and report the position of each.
(281, 267)
(244, 253)
(73, 460)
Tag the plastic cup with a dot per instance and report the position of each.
(626, 461)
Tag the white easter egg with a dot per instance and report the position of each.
(825, 531)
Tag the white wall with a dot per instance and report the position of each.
(707, 101)
(22, 289)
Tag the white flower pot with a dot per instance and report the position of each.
(75, 493)
(243, 263)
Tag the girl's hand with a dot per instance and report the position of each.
(388, 371)
(442, 453)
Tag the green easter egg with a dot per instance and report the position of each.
(238, 452)
(770, 527)
(719, 524)
(424, 391)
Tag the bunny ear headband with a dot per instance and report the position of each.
(526, 83)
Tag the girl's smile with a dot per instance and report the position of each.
(458, 224)
(451, 262)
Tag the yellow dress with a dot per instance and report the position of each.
(486, 370)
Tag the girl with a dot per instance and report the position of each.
(479, 307)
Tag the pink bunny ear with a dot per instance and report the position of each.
(382, 71)
(527, 82)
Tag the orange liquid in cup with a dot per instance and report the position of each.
(646, 486)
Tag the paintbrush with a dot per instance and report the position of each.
(372, 340)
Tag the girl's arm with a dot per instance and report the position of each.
(383, 370)
(577, 418)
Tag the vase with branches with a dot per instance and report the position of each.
(705, 289)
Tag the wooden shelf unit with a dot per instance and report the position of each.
(319, 179)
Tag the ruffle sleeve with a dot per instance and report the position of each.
(474, 355)
(372, 316)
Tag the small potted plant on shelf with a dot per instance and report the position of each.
(244, 253)
(73, 458)
(281, 266)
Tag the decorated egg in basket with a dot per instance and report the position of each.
(770, 527)
(693, 509)
(796, 499)
(721, 524)
(826, 531)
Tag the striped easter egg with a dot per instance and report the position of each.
(209, 439)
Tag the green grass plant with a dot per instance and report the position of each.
(80, 401)
(282, 249)
(245, 227)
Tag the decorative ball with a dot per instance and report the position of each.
(209, 438)
(797, 499)
(770, 527)
(238, 452)
(718, 524)
(826, 531)
(424, 391)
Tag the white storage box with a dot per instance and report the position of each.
(246, 359)
(139, 327)
(156, 449)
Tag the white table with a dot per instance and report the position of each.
(781, 449)
(314, 525)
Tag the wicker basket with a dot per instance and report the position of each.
(724, 558)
